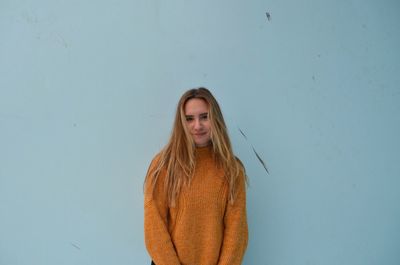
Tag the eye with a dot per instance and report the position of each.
(188, 118)
(204, 117)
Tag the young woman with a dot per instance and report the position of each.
(195, 197)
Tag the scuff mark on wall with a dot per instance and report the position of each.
(60, 40)
(259, 159)
(75, 246)
(30, 17)
(255, 152)
(245, 137)
(268, 16)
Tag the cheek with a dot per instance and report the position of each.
(189, 126)
(208, 126)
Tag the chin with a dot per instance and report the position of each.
(204, 143)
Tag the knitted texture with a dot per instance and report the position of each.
(203, 228)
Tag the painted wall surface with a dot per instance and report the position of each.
(88, 91)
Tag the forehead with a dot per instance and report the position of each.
(196, 106)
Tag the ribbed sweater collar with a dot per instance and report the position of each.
(202, 152)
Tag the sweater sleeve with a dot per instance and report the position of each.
(236, 232)
(157, 238)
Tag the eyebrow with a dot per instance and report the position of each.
(201, 114)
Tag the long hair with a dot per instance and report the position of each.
(177, 158)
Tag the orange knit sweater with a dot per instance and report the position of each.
(204, 228)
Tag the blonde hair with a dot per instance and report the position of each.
(177, 158)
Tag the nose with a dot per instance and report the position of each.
(197, 124)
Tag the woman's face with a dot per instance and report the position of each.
(197, 121)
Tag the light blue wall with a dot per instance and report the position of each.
(87, 95)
